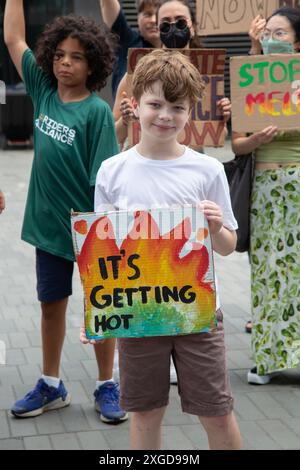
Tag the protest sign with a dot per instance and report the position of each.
(206, 126)
(265, 91)
(231, 16)
(147, 273)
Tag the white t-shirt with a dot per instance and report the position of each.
(129, 181)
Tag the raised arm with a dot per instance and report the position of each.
(14, 32)
(123, 111)
(110, 10)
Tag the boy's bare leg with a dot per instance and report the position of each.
(53, 334)
(145, 429)
(223, 432)
(105, 353)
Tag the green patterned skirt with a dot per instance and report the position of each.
(275, 269)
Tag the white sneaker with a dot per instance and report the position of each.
(173, 374)
(254, 378)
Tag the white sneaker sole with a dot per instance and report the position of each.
(256, 379)
(54, 405)
(113, 421)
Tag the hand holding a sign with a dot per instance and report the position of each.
(223, 239)
(214, 216)
(224, 106)
(126, 109)
(84, 340)
(243, 145)
(2, 202)
(265, 136)
(256, 28)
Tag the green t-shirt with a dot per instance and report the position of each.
(70, 142)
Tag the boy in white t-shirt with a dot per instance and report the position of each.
(159, 172)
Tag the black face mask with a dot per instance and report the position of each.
(175, 35)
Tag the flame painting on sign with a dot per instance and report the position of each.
(145, 273)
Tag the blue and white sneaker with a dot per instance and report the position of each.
(41, 398)
(107, 403)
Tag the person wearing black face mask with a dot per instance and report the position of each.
(175, 35)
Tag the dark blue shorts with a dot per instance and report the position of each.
(54, 277)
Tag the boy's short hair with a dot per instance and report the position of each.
(180, 78)
(142, 5)
(98, 42)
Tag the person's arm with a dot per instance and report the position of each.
(2, 202)
(110, 10)
(123, 111)
(14, 32)
(224, 105)
(256, 28)
(243, 145)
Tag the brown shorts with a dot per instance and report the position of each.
(200, 363)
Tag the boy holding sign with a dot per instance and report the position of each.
(165, 86)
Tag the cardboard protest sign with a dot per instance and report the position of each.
(145, 273)
(265, 91)
(231, 16)
(206, 126)
(290, 3)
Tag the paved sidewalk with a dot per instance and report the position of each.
(269, 416)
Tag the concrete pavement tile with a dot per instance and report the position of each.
(7, 396)
(74, 419)
(15, 357)
(246, 408)
(288, 400)
(78, 394)
(92, 440)
(256, 437)
(73, 370)
(37, 443)
(30, 373)
(195, 433)
(22, 427)
(19, 340)
(9, 375)
(174, 438)
(270, 407)
(33, 355)
(293, 424)
(66, 441)
(50, 423)
(281, 434)
(12, 444)
(4, 428)
(117, 437)
(8, 326)
(75, 352)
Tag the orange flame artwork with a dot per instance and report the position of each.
(145, 273)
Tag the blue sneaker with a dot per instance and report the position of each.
(107, 403)
(41, 398)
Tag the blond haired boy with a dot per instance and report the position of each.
(159, 172)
